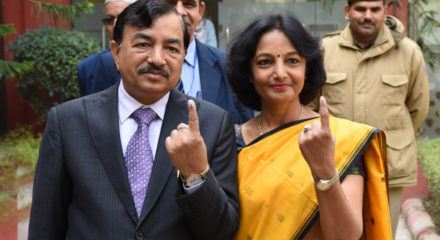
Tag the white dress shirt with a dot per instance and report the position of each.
(128, 126)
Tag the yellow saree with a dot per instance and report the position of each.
(277, 196)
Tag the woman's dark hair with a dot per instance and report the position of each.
(242, 52)
(141, 14)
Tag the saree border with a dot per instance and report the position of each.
(282, 127)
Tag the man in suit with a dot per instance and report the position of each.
(98, 72)
(96, 177)
(203, 74)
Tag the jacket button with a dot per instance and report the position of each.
(139, 236)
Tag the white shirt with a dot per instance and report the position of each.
(128, 126)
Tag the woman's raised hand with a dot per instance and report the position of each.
(317, 144)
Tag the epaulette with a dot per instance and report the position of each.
(337, 32)
(334, 33)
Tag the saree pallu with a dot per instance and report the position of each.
(277, 196)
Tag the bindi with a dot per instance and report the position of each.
(278, 55)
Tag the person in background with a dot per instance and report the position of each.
(98, 72)
(205, 32)
(203, 74)
(377, 76)
(108, 161)
(301, 174)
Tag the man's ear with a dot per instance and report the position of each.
(201, 9)
(346, 10)
(115, 52)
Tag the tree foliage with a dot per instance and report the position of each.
(6, 29)
(9, 69)
(423, 24)
(68, 13)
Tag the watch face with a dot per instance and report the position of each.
(322, 186)
(193, 180)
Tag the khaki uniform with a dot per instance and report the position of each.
(386, 87)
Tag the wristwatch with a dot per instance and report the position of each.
(193, 179)
(324, 185)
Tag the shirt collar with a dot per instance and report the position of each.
(365, 48)
(190, 53)
(127, 104)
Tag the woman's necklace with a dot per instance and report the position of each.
(260, 129)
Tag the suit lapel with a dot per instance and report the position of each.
(102, 118)
(210, 77)
(176, 112)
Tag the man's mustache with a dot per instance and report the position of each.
(151, 67)
(367, 22)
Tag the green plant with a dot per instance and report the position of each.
(9, 69)
(68, 13)
(56, 52)
(423, 24)
(428, 155)
(18, 150)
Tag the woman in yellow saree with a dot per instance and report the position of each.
(302, 175)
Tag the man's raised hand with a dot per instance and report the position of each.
(186, 147)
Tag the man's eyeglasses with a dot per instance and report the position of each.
(109, 20)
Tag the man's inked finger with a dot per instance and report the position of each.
(193, 119)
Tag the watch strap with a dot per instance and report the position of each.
(193, 179)
(324, 185)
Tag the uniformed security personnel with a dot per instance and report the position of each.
(376, 75)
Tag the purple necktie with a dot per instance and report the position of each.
(139, 158)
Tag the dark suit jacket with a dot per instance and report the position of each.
(81, 188)
(215, 86)
(97, 72)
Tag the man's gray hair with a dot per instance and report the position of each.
(127, 1)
